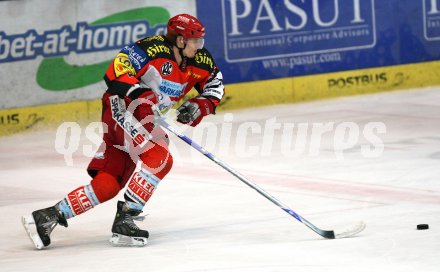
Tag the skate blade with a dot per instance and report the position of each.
(31, 229)
(127, 241)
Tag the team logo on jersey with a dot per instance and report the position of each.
(122, 65)
(166, 69)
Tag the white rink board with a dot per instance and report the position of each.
(203, 219)
(18, 79)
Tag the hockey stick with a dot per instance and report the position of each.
(329, 234)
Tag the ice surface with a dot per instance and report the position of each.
(201, 218)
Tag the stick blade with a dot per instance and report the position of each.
(350, 230)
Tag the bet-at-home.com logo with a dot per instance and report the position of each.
(431, 12)
(264, 29)
(109, 33)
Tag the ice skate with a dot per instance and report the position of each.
(40, 224)
(125, 231)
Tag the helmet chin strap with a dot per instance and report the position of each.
(184, 58)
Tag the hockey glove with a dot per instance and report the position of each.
(192, 111)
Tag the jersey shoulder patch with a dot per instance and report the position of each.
(132, 55)
(155, 47)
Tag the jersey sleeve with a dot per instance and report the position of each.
(212, 86)
(123, 73)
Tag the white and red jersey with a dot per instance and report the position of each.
(131, 71)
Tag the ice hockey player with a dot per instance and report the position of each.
(146, 78)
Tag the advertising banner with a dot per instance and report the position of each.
(53, 54)
(58, 51)
(269, 39)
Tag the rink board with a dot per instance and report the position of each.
(244, 95)
(269, 51)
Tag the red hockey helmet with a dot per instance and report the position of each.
(185, 25)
